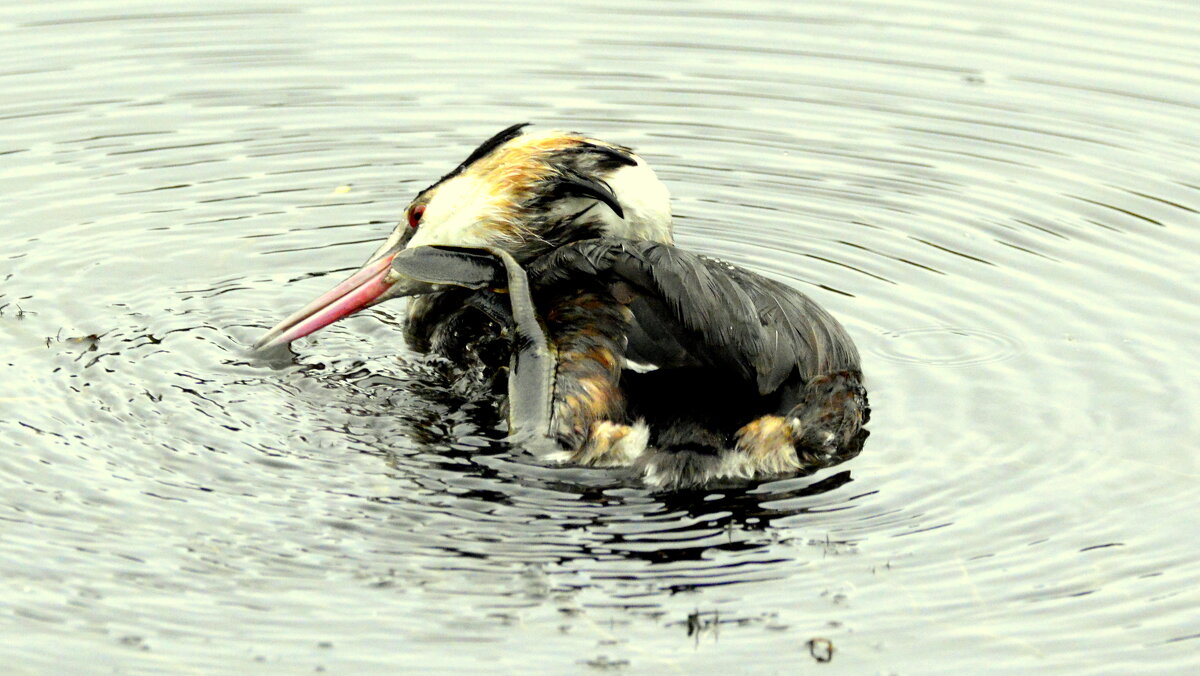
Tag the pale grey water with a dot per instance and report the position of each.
(1000, 202)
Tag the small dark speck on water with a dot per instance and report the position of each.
(821, 649)
(89, 339)
(604, 663)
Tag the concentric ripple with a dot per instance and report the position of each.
(948, 347)
(1000, 203)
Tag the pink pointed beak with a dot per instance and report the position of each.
(374, 283)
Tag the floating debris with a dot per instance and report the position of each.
(603, 662)
(821, 649)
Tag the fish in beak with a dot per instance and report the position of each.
(394, 272)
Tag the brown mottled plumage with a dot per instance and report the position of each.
(588, 331)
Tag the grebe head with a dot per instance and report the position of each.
(523, 193)
(527, 193)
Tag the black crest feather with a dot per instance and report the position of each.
(484, 149)
(574, 184)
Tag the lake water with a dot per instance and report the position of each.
(1000, 202)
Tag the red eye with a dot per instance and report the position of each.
(414, 216)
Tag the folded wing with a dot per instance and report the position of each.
(694, 310)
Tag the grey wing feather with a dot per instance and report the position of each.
(721, 315)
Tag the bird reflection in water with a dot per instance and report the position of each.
(543, 268)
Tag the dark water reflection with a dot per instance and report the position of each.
(1001, 203)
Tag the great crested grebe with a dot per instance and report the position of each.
(547, 260)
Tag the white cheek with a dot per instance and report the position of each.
(645, 201)
(451, 217)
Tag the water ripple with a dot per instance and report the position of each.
(999, 203)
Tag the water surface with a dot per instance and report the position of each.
(1000, 203)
